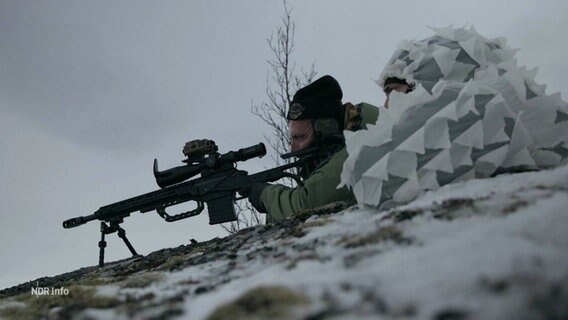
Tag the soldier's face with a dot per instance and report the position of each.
(301, 134)
(398, 87)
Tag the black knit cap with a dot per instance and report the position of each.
(320, 99)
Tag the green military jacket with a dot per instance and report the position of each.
(319, 188)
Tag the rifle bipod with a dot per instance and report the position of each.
(108, 229)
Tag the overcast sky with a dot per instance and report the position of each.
(92, 91)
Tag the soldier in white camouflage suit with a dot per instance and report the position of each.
(459, 108)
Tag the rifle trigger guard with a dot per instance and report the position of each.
(191, 213)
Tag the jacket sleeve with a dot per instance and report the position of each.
(319, 189)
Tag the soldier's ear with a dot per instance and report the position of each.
(326, 129)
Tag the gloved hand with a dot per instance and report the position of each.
(253, 192)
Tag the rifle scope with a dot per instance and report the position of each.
(212, 162)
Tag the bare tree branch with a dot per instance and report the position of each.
(281, 83)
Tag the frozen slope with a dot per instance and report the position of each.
(481, 249)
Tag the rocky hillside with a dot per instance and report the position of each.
(483, 249)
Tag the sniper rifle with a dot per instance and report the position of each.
(217, 186)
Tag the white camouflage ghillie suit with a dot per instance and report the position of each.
(473, 114)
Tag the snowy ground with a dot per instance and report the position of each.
(482, 249)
